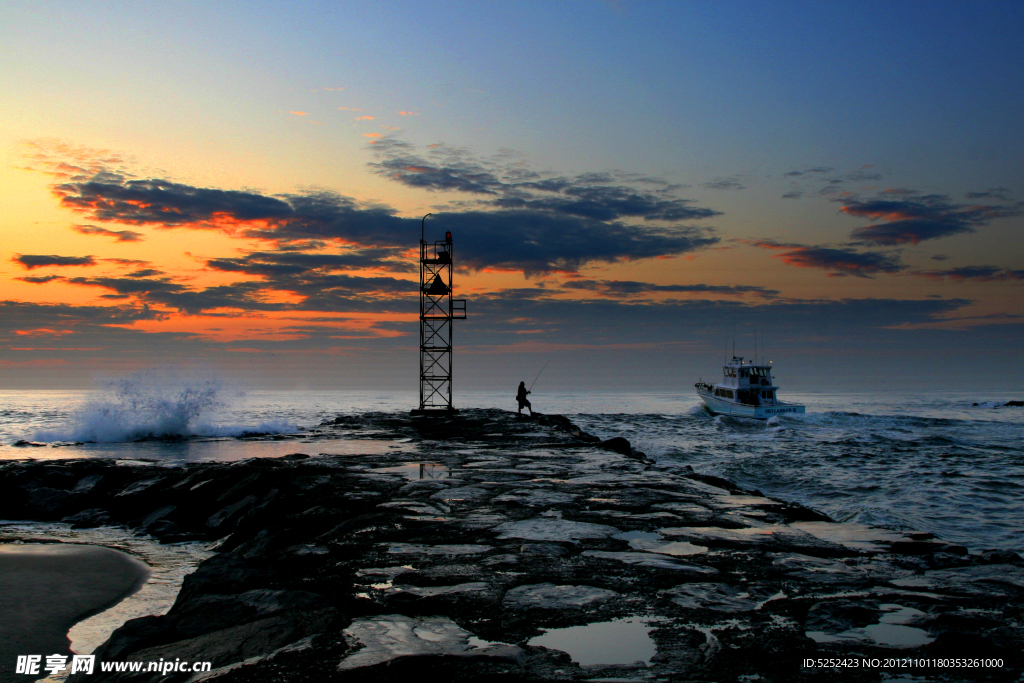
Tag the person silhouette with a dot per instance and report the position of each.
(521, 397)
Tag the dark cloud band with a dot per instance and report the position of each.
(31, 261)
(926, 218)
(528, 239)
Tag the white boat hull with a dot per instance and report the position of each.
(720, 407)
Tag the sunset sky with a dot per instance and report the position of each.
(237, 188)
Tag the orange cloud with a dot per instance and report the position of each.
(234, 325)
(372, 135)
(364, 118)
(408, 113)
(30, 363)
(299, 113)
(57, 348)
(42, 332)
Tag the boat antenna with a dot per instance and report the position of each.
(734, 334)
(538, 377)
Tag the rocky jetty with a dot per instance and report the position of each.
(500, 544)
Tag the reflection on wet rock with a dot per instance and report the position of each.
(714, 596)
(550, 596)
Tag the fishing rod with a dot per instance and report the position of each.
(537, 377)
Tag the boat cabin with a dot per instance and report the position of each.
(745, 382)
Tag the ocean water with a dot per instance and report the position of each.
(916, 461)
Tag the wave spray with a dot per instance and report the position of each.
(157, 404)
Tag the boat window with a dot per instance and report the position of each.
(729, 394)
(744, 373)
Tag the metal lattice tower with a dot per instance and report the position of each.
(437, 310)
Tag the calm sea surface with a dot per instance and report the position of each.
(918, 461)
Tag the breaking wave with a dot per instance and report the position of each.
(158, 405)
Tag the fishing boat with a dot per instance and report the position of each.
(746, 390)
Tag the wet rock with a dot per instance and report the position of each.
(549, 529)
(295, 456)
(48, 500)
(446, 550)
(543, 550)
(22, 443)
(714, 596)
(381, 640)
(764, 536)
(239, 642)
(552, 597)
(1014, 404)
(93, 517)
(618, 445)
(651, 560)
(967, 579)
(536, 498)
(139, 486)
(229, 513)
(820, 570)
(915, 547)
(87, 483)
(1001, 557)
(857, 537)
(438, 591)
(837, 616)
(215, 612)
(954, 549)
(465, 494)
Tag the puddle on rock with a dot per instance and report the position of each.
(632, 536)
(621, 641)
(890, 631)
(418, 470)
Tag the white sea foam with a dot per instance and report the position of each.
(156, 404)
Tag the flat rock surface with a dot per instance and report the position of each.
(498, 544)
